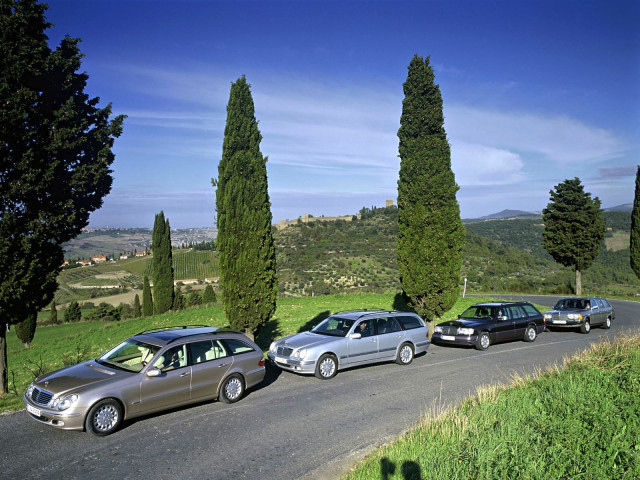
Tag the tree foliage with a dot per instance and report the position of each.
(137, 308)
(574, 227)
(634, 256)
(26, 329)
(73, 313)
(430, 231)
(147, 299)
(53, 316)
(162, 265)
(179, 302)
(209, 295)
(245, 243)
(55, 158)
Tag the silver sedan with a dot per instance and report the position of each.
(350, 339)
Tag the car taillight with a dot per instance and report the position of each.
(261, 362)
(427, 334)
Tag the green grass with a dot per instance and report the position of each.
(578, 421)
(56, 346)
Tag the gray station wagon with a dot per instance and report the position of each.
(580, 312)
(349, 339)
(151, 371)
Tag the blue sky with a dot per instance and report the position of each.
(534, 92)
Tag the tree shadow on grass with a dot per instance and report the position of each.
(410, 470)
(314, 321)
(268, 333)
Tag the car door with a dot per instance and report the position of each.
(599, 311)
(365, 348)
(520, 321)
(390, 335)
(173, 386)
(210, 362)
(503, 325)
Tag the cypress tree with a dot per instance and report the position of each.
(73, 312)
(53, 317)
(137, 309)
(162, 265)
(26, 329)
(147, 299)
(245, 243)
(178, 299)
(574, 227)
(430, 232)
(634, 254)
(209, 296)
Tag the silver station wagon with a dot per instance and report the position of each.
(580, 312)
(349, 339)
(151, 371)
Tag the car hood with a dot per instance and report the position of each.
(307, 340)
(465, 322)
(565, 311)
(77, 376)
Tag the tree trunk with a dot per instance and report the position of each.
(578, 282)
(4, 377)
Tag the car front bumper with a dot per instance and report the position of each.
(469, 340)
(71, 419)
(563, 323)
(293, 365)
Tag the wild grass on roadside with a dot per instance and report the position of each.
(578, 420)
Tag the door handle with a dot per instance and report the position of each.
(223, 365)
(185, 374)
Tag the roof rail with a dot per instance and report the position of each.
(365, 311)
(178, 327)
(215, 332)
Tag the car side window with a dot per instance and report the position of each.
(530, 309)
(206, 350)
(365, 328)
(175, 357)
(600, 304)
(387, 325)
(409, 322)
(516, 312)
(605, 303)
(236, 347)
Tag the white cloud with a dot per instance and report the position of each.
(476, 164)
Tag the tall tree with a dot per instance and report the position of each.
(179, 303)
(55, 158)
(208, 296)
(245, 243)
(634, 256)
(26, 329)
(53, 317)
(162, 265)
(73, 313)
(137, 308)
(147, 299)
(574, 227)
(430, 232)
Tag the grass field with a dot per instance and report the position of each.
(577, 421)
(56, 346)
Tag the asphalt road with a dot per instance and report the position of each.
(291, 426)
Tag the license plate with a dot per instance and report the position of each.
(33, 411)
(451, 338)
(561, 322)
(281, 360)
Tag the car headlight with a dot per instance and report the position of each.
(63, 403)
(465, 331)
(437, 329)
(273, 347)
(30, 390)
(300, 353)
(574, 316)
(547, 316)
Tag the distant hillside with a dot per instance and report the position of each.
(504, 214)
(625, 207)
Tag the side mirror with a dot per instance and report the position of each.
(355, 336)
(502, 318)
(153, 372)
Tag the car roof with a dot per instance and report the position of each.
(497, 304)
(356, 314)
(168, 335)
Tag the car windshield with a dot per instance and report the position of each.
(571, 304)
(479, 311)
(130, 355)
(334, 326)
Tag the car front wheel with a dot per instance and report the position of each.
(405, 354)
(104, 417)
(232, 389)
(483, 341)
(607, 323)
(327, 367)
(586, 326)
(530, 334)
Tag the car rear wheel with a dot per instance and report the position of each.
(327, 367)
(232, 389)
(104, 417)
(483, 341)
(405, 354)
(530, 334)
(586, 326)
(607, 323)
